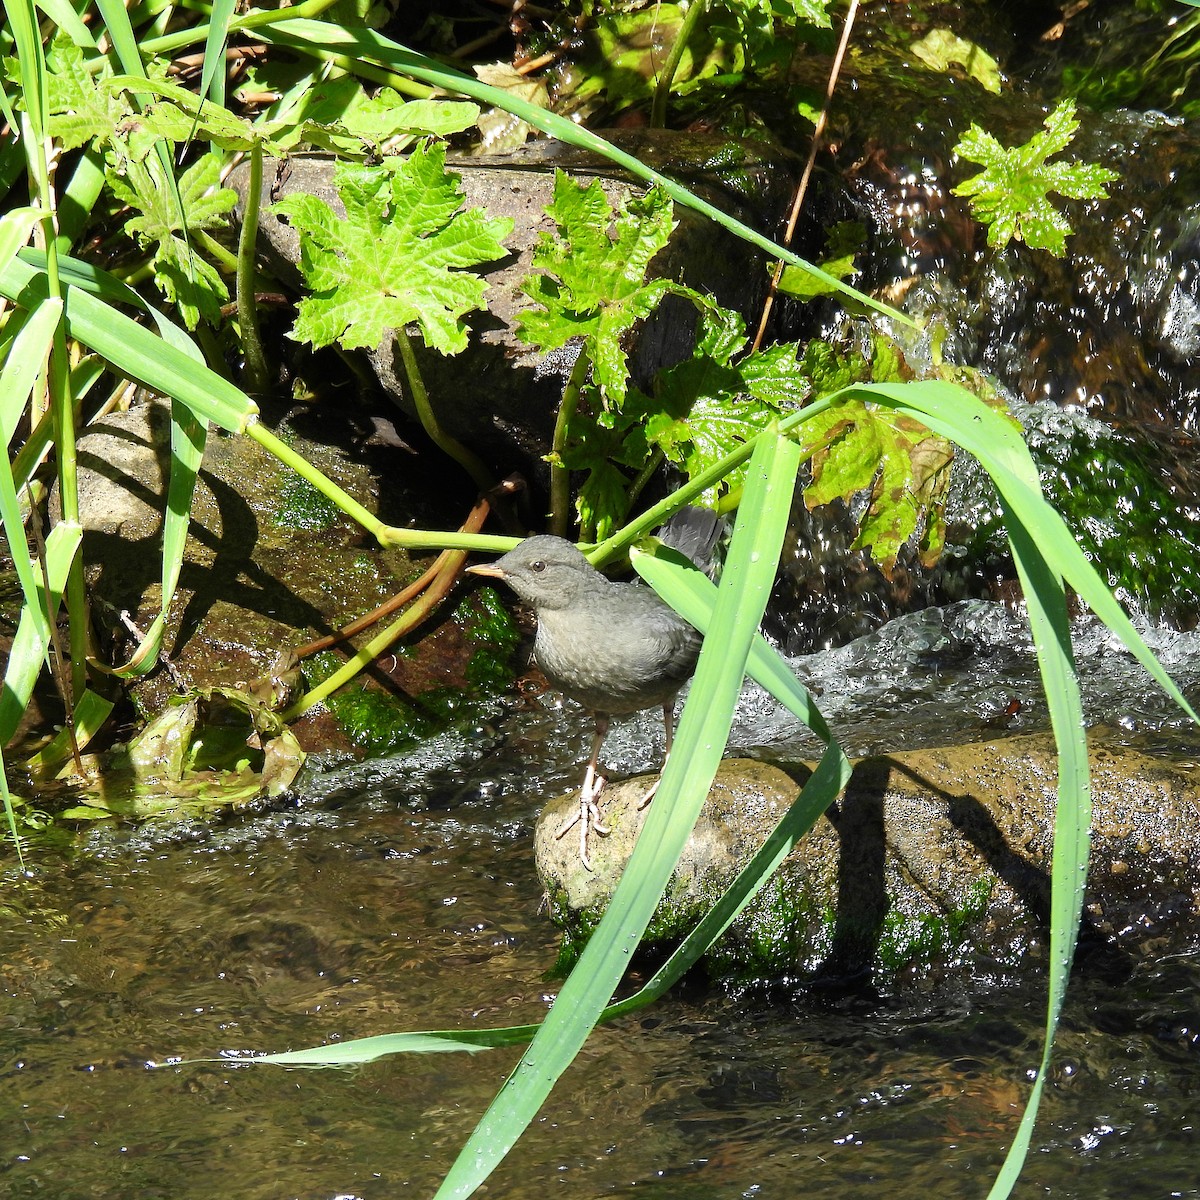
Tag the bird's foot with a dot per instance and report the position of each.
(654, 786)
(650, 794)
(587, 816)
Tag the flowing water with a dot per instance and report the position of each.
(401, 895)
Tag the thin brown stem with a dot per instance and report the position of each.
(802, 186)
(473, 524)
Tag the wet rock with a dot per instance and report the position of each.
(270, 564)
(500, 396)
(933, 861)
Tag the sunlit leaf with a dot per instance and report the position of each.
(594, 283)
(1011, 195)
(402, 254)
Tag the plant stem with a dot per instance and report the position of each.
(451, 562)
(560, 477)
(252, 347)
(386, 535)
(466, 458)
(330, 490)
(252, 20)
(802, 186)
(223, 256)
(662, 91)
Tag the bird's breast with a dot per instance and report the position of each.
(616, 658)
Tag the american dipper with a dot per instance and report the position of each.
(614, 647)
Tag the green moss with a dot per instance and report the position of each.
(926, 937)
(301, 506)
(382, 723)
(491, 628)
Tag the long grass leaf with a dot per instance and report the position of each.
(188, 436)
(689, 772)
(213, 70)
(99, 283)
(136, 352)
(1046, 604)
(69, 21)
(26, 359)
(87, 719)
(32, 638)
(1045, 555)
(15, 227)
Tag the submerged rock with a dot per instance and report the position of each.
(932, 861)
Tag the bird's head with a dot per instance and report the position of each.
(546, 572)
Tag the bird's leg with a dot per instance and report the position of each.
(669, 731)
(588, 815)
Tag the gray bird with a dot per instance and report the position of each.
(614, 647)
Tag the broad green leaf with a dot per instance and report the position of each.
(602, 497)
(158, 224)
(941, 48)
(119, 31)
(387, 114)
(713, 402)
(1010, 195)
(81, 108)
(810, 12)
(594, 284)
(902, 467)
(402, 254)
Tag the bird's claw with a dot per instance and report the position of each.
(587, 816)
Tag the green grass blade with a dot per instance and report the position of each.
(1046, 603)
(703, 729)
(213, 71)
(10, 814)
(99, 283)
(23, 25)
(317, 38)
(136, 352)
(69, 21)
(32, 638)
(15, 227)
(1046, 555)
(25, 361)
(188, 435)
(87, 718)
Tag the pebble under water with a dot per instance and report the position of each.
(401, 896)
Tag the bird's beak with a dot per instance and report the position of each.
(489, 569)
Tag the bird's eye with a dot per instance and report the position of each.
(537, 566)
